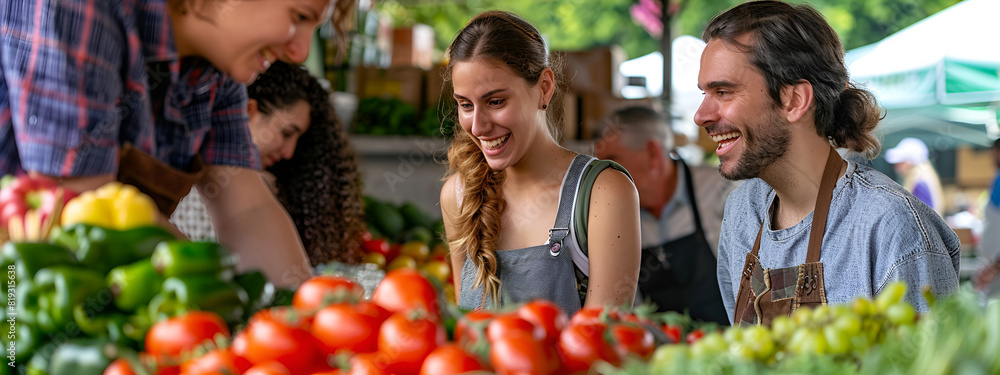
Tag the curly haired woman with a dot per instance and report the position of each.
(319, 184)
(309, 164)
(510, 181)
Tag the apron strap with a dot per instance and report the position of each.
(564, 213)
(821, 210)
(689, 184)
(826, 185)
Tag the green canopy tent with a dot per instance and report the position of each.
(939, 79)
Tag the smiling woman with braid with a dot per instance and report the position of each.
(510, 181)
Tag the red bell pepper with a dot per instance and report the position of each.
(26, 193)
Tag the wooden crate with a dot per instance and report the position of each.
(413, 46)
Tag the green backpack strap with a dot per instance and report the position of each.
(582, 210)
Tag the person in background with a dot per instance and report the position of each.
(910, 161)
(151, 93)
(509, 181)
(320, 184)
(680, 216)
(988, 249)
(806, 228)
(309, 165)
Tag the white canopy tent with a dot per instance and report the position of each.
(938, 76)
(686, 59)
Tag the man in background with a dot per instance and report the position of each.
(680, 213)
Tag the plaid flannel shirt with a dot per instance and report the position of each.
(80, 78)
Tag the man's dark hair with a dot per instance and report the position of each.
(790, 44)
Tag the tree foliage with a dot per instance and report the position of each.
(580, 24)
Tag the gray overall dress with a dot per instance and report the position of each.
(545, 271)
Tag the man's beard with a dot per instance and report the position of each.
(764, 141)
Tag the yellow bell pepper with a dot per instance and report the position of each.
(114, 205)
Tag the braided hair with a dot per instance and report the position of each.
(504, 38)
(320, 186)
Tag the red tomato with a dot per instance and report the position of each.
(119, 367)
(633, 318)
(673, 333)
(406, 289)
(215, 361)
(238, 346)
(394, 251)
(591, 314)
(349, 327)
(583, 344)
(271, 339)
(380, 245)
(630, 338)
(511, 325)
(269, 368)
(288, 315)
(450, 359)
(376, 363)
(524, 355)
(695, 335)
(547, 315)
(407, 342)
(176, 335)
(168, 370)
(319, 291)
(366, 236)
(470, 326)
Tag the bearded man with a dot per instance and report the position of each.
(807, 228)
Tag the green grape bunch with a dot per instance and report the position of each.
(839, 334)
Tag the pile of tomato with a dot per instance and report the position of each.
(405, 328)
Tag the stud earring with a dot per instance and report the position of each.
(544, 106)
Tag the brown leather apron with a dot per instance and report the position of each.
(165, 184)
(768, 293)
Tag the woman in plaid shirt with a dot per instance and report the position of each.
(151, 92)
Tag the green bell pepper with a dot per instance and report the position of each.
(102, 248)
(25, 340)
(59, 289)
(183, 258)
(260, 292)
(79, 356)
(200, 292)
(282, 297)
(27, 302)
(137, 324)
(29, 257)
(134, 285)
(109, 325)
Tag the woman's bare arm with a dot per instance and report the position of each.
(613, 240)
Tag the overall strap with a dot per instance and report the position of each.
(564, 213)
(826, 185)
